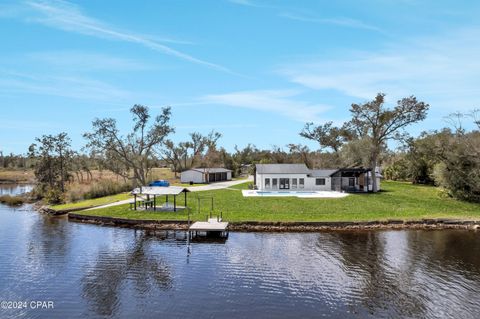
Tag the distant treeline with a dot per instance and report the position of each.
(449, 157)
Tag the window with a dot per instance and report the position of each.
(274, 182)
(267, 182)
(301, 182)
(294, 183)
(351, 182)
(320, 181)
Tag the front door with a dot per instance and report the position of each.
(284, 183)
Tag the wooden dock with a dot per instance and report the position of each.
(213, 226)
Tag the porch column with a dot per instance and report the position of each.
(174, 203)
(185, 199)
(154, 202)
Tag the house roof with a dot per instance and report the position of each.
(303, 169)
(322, 172)
(210, 170)
(159, 190)
(282, 169)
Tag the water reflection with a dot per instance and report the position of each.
(379, 284)
(112, 271)
(14, 189)
(92, 271)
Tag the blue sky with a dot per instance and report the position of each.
(253, 70)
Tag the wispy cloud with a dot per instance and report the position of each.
(295, 14)
(69, 17)
(339, 21)
(247, 3)
(283, 102)
(85, 61)
(444, 69)
(61, 86)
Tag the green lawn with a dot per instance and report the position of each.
(396, 201)
(94, 202)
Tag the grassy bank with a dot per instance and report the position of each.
(396, 201)
(16, 176)
(12, 200)
(93, 202)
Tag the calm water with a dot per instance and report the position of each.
(14, 189)
(101, 272)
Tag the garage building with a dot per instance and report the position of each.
(206, 175)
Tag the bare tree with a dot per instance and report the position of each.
(327, 135)
(302, 151)
(135, 150)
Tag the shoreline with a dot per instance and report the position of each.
(256, 226)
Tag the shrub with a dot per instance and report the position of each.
(106, 188)
(11, 200)
(54, 196)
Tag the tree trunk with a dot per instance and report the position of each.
(374, 173)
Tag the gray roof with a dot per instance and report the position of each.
(322, 172)
(159, 190)
(282, 169)
(211, 170)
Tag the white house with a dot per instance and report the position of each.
(205, 175)
(298, 177)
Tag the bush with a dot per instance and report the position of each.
(12, 200)
(106, 188)
(54, 196)
(95, 190)
(459, 171)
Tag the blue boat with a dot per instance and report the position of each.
(160, 183)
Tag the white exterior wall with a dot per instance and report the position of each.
(229, 176)
(309, 182)
(192, 176)
(370, 185)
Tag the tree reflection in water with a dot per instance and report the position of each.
(382, 290)
(114, 270)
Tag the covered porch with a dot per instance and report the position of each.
(352, 180)
(146, 198)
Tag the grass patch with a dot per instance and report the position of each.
(12, 200)
(17, 176)
(396, 201)
(93, 202)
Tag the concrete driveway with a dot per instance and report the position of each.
(207, 187)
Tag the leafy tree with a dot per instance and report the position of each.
(301, 151)
(53, 167)
(327, 135)
(130, 156)
(459, 169)
(374, 122)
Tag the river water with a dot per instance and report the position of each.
(90, 271)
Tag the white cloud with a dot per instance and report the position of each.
(282, 102)
(62, 86)
(294, 14)
(68, 17)
(339, 21)
(86, 61)
(443, 70)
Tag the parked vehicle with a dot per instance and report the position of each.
(160, 183)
